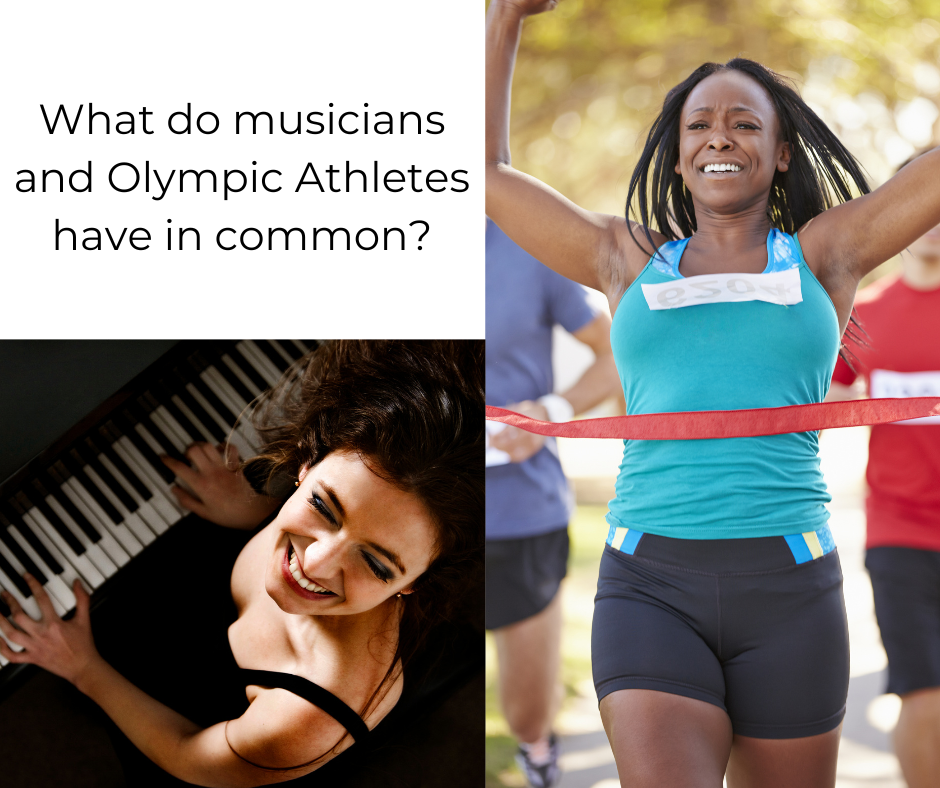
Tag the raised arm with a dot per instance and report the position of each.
(591, 248)
(848, 241)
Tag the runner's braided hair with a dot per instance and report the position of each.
(820, 174)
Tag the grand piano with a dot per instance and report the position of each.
(82, 425)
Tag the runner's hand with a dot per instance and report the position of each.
(220, 492)
(519, 444)
(65, 648)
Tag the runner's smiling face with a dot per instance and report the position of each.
(729, 143)
(347, 541)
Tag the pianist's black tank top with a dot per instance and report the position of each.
(195, 673)
(315, 694)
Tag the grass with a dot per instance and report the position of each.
(587, 531)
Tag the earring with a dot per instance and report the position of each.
(398, 595)
(296, 484)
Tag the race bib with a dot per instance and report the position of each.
(885, 384)
(782, 287)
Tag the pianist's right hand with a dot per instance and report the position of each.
(221, 493)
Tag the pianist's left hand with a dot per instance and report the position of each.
(65, 648)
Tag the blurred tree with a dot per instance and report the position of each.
(593, 73)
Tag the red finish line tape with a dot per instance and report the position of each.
(698, 425)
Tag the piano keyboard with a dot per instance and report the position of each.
(92, 502)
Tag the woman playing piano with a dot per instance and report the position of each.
(383, 442)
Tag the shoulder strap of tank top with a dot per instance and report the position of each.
(315, 694)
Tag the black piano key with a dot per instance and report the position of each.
(163, 419)
(180, 390)
(7, 568)
(256, 357)
(66, 468)
(52, 484)
(14, 547)
(11, 517)
(74, 467)
(272, 355)
(140, 416)
(289, 348)
(4, 610)
(248, 369)
(215, 361)
(37, 498)
(215, 403)
(162, 395)
(88, 456)
(102, 444)
(123, 425)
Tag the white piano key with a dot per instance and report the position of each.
(20, 570)
(264, 357)
(204, 432)
(165, 422)
(236, 370)
(149, 439)
(144, 508)
(155, 446)
(221, 388)
(116, 540)
(170, 430)
(28, 604)
(76, 566)
(280, 351)
(69, 573)
(131, 520)
(59, 585)
(95, 554)
(257, 359)
(138, 528)
(163, 500)
(233, 436)
(152, 518)
(300, 346)
(203, 403)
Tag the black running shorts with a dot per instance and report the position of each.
(906, 583)
(738, 623)
(523, 575)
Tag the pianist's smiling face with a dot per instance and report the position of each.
(347, 541)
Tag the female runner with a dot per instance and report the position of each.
(719, 641)
(380, 536)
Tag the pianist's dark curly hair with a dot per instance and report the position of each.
(414, 410)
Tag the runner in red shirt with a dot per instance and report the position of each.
(901, 316)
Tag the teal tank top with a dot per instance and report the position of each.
(705, 343)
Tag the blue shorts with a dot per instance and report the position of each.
(756, 627)
(906, 584)
(523, 576)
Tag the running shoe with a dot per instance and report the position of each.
(542, 775)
